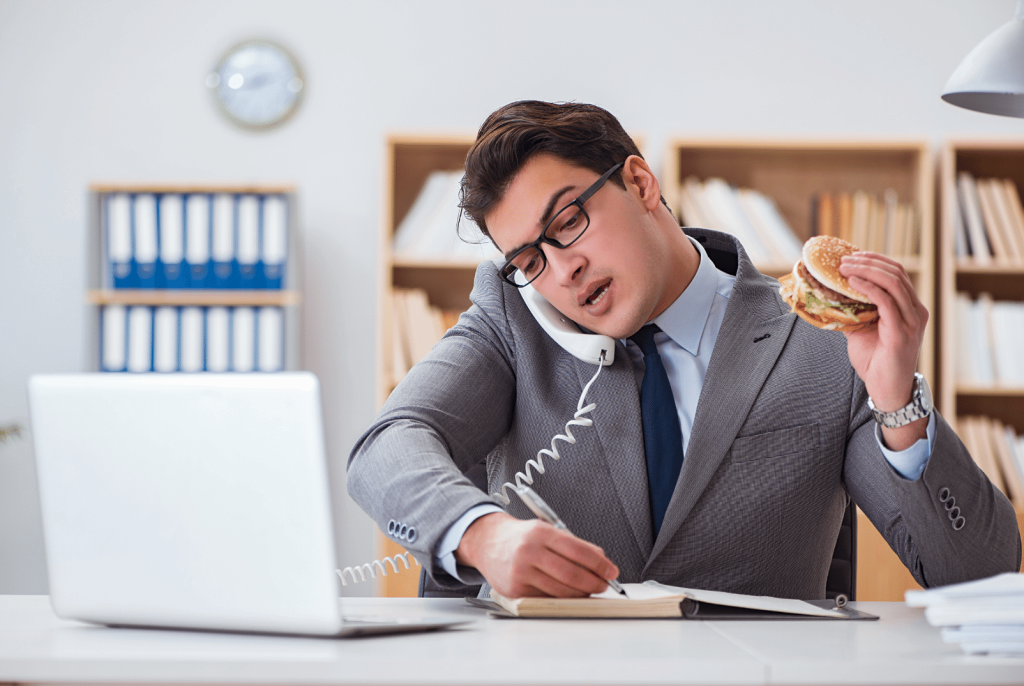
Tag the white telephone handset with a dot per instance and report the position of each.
(592, 348)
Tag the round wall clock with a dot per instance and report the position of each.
(257, 84)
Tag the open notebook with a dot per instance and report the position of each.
(652, 599)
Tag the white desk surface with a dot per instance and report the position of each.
(900, 648)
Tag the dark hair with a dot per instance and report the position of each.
(584, 135)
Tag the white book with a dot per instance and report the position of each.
(782, 237)
(223, 243)
(722, 198)
(964, 356)
(690, 213)
(1005, 349)
(119, 233)
(144, 212)
(967, 192)
(275, 230)
(218, 336)
(248, 229)
(243, 339)
(172, 229)
(439, 239)
(165, 339)
(270, 325)
(197, 229)
(960, 240)
(191, 339)
(890, 221)
(140, 339)
(981, 340)
(420, 214)
(115, 329)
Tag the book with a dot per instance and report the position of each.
(651, 599)
(1012, 480)
(968, 196)
(1002, 250)
(1013, 237)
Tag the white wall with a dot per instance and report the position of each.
(113, 90)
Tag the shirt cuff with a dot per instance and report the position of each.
(910, 463)
(445, 556)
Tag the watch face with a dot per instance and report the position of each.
(257, 84)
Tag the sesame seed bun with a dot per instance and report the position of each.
(820, 295)
(822, 256)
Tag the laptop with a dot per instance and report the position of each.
(191, 501)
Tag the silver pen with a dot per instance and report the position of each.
(544, 512)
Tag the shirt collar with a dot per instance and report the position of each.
(685, 319)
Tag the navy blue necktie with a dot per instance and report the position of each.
(663, 438)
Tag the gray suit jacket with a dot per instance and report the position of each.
(782, 437)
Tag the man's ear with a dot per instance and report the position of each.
(637, 173)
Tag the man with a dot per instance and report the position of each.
(771, 415)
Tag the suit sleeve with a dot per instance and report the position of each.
(951, 524)
(451, 410)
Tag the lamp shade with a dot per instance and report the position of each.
(991, 77)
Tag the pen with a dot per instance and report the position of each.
(544, 512)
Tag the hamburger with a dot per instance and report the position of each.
(819, 294)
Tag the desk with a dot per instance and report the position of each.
(901, 648)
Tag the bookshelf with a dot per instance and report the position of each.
(101, 292)
(409, 160)
(792, 173)
(1003, 159)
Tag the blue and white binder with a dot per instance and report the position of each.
(218, 339)
(243, 339)
(113, 338)
(193, 339)
(270, 339)
(165, 339)
(119, 239)
(225, 262)
(274, 247)
(173, 271)
(146, 242)
(250, 267)
(197, 240)
(140, 339)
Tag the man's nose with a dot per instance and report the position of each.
(566, 264)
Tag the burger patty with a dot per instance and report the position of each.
(828, 293)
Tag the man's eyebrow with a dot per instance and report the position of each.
(544, 218)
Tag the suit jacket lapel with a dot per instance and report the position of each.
(619, 429)
(741, 361)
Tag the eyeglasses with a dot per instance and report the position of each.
(564, 229)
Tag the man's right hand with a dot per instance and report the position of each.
(532, 558)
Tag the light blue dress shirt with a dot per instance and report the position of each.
(689, 328)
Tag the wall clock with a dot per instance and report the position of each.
(257, 84)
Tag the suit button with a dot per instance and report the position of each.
(958, 523)
(943, 494)
(954, 513)
(950, 505)
(410, 535)
(392, 525)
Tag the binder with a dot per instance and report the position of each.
(222, 246)
(146, 240)
(274, 247)
(119, 239)
(192, 339)
(250, 268)
(197, 240)
(113, 338)
(270, 339)
(165, 339)
(140, 339)
(173, 272)
(218, 339)
(243, 339)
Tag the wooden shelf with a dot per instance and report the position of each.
(201, 298)
(792, 172)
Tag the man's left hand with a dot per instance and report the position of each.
(885, 355)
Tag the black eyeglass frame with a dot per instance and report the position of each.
(508, 270)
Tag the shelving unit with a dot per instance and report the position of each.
(792, 172)
(983, 159)
(99, 293)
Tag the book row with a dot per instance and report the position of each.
(999, 451)
(988, 339)
(194, 240)
(416, 327)
(988, 228)
(191, 339)
(428, 230)
(749, 215)
(883, 225)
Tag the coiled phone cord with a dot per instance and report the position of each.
(526, 476)
(578, 419)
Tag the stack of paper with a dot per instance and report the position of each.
(984, 616)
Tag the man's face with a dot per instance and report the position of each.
(613, 279)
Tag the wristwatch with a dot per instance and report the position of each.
(919, 407)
